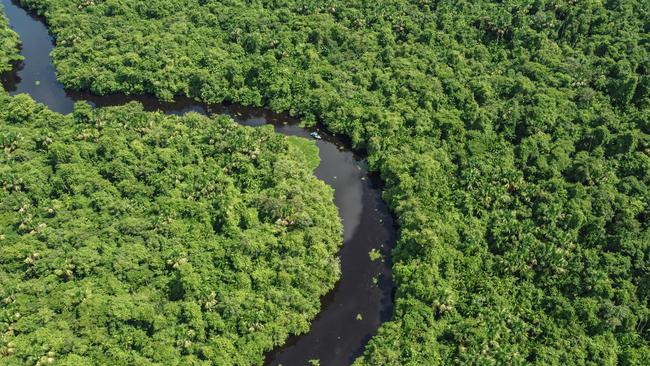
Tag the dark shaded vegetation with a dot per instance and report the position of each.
(136, 238)
(513, 138)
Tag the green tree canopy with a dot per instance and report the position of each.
(9, 42)
(512, 137)
(136, 238)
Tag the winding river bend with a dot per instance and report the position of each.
(336, 336)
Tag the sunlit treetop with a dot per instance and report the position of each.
(130, 237)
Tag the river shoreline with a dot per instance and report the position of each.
(362, 299)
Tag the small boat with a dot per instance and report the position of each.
(315, 135)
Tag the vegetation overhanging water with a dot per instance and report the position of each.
(353, 311)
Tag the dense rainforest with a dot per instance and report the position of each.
(8, 45)
(135, 238)
(513, 138)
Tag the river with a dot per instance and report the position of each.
(336, 336)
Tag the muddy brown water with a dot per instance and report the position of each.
(336, 336)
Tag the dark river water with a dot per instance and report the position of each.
(336, 336)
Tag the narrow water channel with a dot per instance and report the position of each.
(337, 336)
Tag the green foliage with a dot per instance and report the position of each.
(135, 238)
(512, 137)
(9, 42)
(305, 150)
(374, 254)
